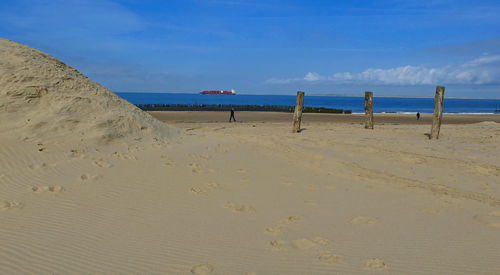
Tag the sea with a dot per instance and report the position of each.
(355, 104)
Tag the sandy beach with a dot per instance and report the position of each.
(265, 117)
(257, 199)
(91, 184)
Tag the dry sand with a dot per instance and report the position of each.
(43, 98)
(250, 198)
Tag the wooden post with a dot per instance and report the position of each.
(297, 115)
(368, 110)
(438, 112)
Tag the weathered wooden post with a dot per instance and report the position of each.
(368, 110)
(297, 115)
(438, 112)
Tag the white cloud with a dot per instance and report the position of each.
(312, 77)
(482, 70)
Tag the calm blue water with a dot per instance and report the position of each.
(356, 104)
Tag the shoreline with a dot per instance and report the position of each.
(265, 117)
(329, 95)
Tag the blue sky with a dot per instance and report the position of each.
(391, 47)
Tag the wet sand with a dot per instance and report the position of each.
(262, 117)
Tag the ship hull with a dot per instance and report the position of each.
(218, 92)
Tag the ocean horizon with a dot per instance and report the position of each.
(316, 94)
(382, 104)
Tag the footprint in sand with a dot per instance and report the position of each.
(309, 243)
(197, 190)
(213, 185)
(300, 244)
(205, 188)
(375, 263)
(240, 208)
(278, 244)
(86, 177)
(275, 230)
(51, 189)
(291, 219)
(199, 156)
(102, 163)
(198, 168)
(202, 269)
(123, 156)
(74, 153)
(169, 164)
(328, 257)
(492, 219)
(217, 149)
(242, 171)
(4, 206)
(41, 148)
(364, 220)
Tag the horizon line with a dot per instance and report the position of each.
(332, 95)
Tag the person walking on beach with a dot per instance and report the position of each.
(418, 115)
(232, 115)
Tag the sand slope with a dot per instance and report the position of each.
(41, 97)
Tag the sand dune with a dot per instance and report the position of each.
(41, 97)
(241, 198)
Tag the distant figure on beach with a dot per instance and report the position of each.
(418, 115)
(232, 115)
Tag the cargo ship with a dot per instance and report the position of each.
(218, 92)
